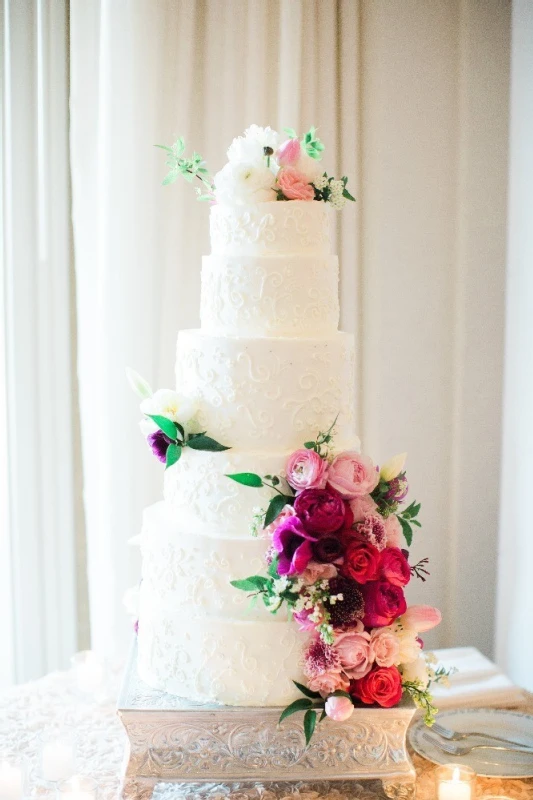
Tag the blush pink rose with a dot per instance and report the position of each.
(294, 184)
(393, 531)
(285, 513)
(315, 572)
(328, 682)
(339, 708)
(354, 653)
(353, 475)
(362, 506)
(394, 567)
(384, 647)
(421, 618)
(306, 470)
(289, 153)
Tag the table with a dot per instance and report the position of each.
(27, 709)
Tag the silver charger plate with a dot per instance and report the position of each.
(487, 763)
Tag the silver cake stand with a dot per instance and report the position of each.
(173, 740)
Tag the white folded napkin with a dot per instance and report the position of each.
(477, 682)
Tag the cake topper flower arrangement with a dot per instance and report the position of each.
(262, 168)
(337, 560)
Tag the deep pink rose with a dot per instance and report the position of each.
(294, 184)
(328, 682)
(292, 543)
(353, 475)
(355, 653)
(306, 470)
(339, 708)
(321, 510)
(361, 560)
(384, 602)
(383, 685)
(361, 506)
(393, 531)
(289, 153)
(393, 566)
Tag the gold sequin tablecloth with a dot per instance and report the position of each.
(27, 710)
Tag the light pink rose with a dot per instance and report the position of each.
(353, 475)
(354, 652)
(294, 184)
(339, 708)
(305, 469)
(289, 153)
(361, 506)
(329, 682)
(285, 513)
(421, 618)
(393, 531)
(385, 647)
(315, 572)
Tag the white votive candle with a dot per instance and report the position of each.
(11, 781)
(77, 788)
(455, 782)
(58, 760)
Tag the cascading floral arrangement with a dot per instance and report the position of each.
(335, 527)
(261, 167)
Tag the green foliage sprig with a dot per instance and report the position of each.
(322, 443)
(386, 506)
(188, 168)
(309, 141)
(284, 495)
(180, 439)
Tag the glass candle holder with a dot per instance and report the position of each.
(89, 672)
(79, 787)
(58, 755)
(13, 778)
(455, 782)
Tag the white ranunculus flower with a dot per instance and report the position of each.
(249, 148)
(171, 404)
(239, 184)
(416, 671)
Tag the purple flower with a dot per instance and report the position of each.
(293, 545)
(159, 443)
(398, 488)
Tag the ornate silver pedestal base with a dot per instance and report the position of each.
(175, 740)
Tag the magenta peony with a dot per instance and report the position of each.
(353, 475)
(361, 560)
(393, 567)
(306, 470)
(383, 685)
(339, 708)
(321, 510)
(289, 153)
(292, 543)
(354, 653)
(294, 184)
(384, 602)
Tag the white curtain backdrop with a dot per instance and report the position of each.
(411, 100)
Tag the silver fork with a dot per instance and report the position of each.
(455, 736)
(462, 750)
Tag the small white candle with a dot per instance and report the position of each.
(11, 781)
(455, 788)
(58, 760)
(77, 788)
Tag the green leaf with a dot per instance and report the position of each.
(347, 195)
(166, 425)
(138, 384)
(416, 522)
(340, 693)
(255, 583)
(304, 690)
(206, 443)
(291, 132)
(309, 725)
(247, 479)
(273, 568)
(298, 705)
(323, 716)
(276, 505)
(407, 531)
(173, 454)
(309, 445)
(181, 431)
(170, 178)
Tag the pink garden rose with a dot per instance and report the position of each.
(421, 618)
(384, 602)
(294, 184)
(361, 506)
(394, 567)
(315, 572)
(305, 469)
(384, 647)
(393, 531)
(321, 510)
(339, 708)
(355, 653)
(286, 512)
(353, 475)
(328, 682)
(289, 153)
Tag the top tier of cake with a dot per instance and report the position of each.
(270, 272)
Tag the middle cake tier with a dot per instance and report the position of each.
(269, 394)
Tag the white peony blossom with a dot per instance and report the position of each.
(240, 184)
(248, 149)
(171, 404)
(416, 671)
